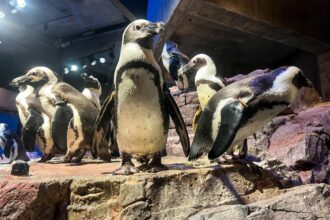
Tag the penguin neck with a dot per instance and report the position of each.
(283, 85)
(134, 52)
(207, 72)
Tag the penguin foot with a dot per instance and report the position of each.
(230, 159)
(126, 169)
(45, 158)
(152, 168)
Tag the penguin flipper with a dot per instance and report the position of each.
(196, 118)
(174, 66)
(60, 124)
(8, 145)
(30, 130)
(102, 125)
(180, 126)
(231, 116)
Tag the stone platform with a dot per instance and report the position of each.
(90, 191)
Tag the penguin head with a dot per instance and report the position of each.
(90, 81)
(37, 77)
(201, 63)
(290, 79)
(142, 32)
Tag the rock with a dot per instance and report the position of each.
(303, 202)
(303, 143)
(244, 76)
(90, 191)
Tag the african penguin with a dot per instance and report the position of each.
(12, 145)
(72, 114)
(206, 80)
(141, 103)
(173, 60)
(92, 89)
(240, 109)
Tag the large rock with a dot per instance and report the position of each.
(90, 191)
(304, 202)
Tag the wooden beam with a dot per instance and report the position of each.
(127, 13)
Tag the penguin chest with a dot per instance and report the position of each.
(140, 122)
(204, 93)
(47, 99)
(22, 106)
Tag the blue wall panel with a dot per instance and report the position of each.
(161, 10)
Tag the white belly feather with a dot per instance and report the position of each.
(140, 122)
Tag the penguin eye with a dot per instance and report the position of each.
(194, 62)
(138, 27)
(33, 73)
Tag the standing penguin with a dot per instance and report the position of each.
(72, 114)
(206, 80)
(173, 60)
(92, 89)
(12, 145)
(240, 109)
(141, 103)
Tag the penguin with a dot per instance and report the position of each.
(240, 109)
(206, 81)
(92, 89)
(12, 145)
(173, 60)
(72, 114)
(30, 115)
(141, 104)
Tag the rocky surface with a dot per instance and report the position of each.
(90, 191)
(303, 202)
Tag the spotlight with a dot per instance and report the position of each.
(66, 70)
(74, 68)
(84, 66)
(102, 60)
(21, 3)
(93, 63)
(2, 14)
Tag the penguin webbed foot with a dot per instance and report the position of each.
(154, 166)
(230, 158)
(126, 169)
(45, 158)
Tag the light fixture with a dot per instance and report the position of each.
(21, 3)
(93, 63)
(0, 41)
(84, 66)
(102, 60)
(66, 70)
(2, 14)
(14, 11)
(74, 68)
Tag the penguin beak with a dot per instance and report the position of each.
(186, 68)
(19, 81)
(155, 28)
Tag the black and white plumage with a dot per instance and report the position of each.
(11, 145)
(173, 60)
(242, 108)
(72, 114)
(141, 104)
(92, 89)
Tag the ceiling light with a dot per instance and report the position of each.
(0, 41)
(66, 70)
(14, 11)
(84, 66)
(74, 68)
(93, 63)
(2, 14)
(102, 60)
(21, 3)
